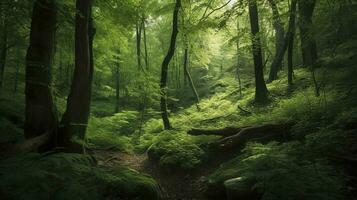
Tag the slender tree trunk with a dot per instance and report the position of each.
(238, 69)
(189, 77)
(279, 32)
(138, 45)
(165, 65)
(291, 33)
(261, 91)
(145, 45)
(3, 50)
(117, 84)
(75, 119)
(308, 43)
(60, 66)
(17, 69)
(40, 114)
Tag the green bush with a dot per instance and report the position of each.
(112, 131)
(177, 150)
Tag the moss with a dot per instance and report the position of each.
(71, 176)
(280, 174)
(176, 150)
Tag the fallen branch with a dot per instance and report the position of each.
(263, 133)
(229, 131)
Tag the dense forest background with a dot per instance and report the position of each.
(178, 99)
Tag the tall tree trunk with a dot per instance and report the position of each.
(138, 45)
(279, 31)
(40, 114)
(261, 91)
(17, 69)
(3, 48)
(75, 119)
(280, 55)
(291, 33)
(117, 84)
(308, 43)
(189, 77)
(165, 65)
(238, 69)
(145, 44)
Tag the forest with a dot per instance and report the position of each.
(178, 99)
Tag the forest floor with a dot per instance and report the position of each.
(174, 185)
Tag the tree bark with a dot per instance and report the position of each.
(189, 77)
(263, 133)
(165, 65)
(279, 32)
(117, 84)
(75, 119)
(291, 33)
(3, 48)
(17, 70)
(229, 131)
(138, 45)
(145, 44)
(40, 114)
(237, 69)
(308, 43)
(261, 91)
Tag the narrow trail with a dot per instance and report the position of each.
(174, 185)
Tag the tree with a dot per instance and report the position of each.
(308, 43)
(165, 65)
(4, 41)
(279, 33)
(117, 83)
(189, 78)
(40, 114)
(261, 91)
(75, 119)
(289, 38)
(291, 33)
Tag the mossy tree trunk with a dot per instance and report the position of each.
(4, 43)
(75, 119)
(291, 33)
(165, 65)
(40, 114)
(261, 91)
(279, 33)
(189, 77)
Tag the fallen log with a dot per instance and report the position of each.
(229, 131)
(263, 133)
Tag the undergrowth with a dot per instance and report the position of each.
(70, 176)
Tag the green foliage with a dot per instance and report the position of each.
(112, 131)
(70, 176)
(279, 174)
(175, 149)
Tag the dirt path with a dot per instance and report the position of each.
(174, 185)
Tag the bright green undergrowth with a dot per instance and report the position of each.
(112, 131)
(70, 176)
(299, 106)
(282, 172)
